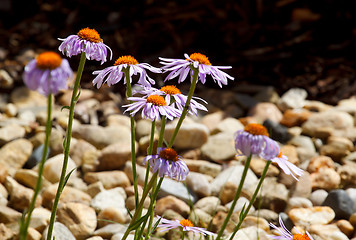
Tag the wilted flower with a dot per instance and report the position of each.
(182, 67)
(254, 139)
(168, 163)
(287, 235)
(174, 96)
(114, 74)
(185, 225)
(287, 167)
(87, 40)
(47, 74)
(153, 107)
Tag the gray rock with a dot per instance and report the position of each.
(340, 202)
(176, 189)
(233, 175)
(318, 197)
(11, 132)
(190, 135)
(274, 195)
(219, 147)
(199, 184)
(293, 98)
(60, 232)
(36, 157)
(208, 204)
(15, 153)
(102, 137)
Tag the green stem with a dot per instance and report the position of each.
(186, 107)
(67, 144)
(24, 226)
(140, 205)
(245, 212)
(126, 71)
(161, 133)
(237, 195)
(149, 152)
(155, 190)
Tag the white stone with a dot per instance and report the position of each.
(53, 168)
(110, 198)
(305, 217)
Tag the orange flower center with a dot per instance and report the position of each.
(256, 129)
(301, 237)
(156, 100)
(169, 154)
(48, 60)
(201, 58)
(186, 223)
(90, 35)
(170, 89)
(126, 60)
(280, 155)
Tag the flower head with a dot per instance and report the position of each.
(182, 67)
(254, 139)
(174, 96)
(87, 40)
(114, 74)
(153, 107)
(185, 225)
(285, 234)
(47, 74)
(287, 167)
(168, 163)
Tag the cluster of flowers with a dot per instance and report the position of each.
(49, 72)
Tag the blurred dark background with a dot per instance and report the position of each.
(283, 43)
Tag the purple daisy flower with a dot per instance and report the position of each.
(287, 167)
(47, 74)
(173, 95)
(154, 106)
(185, 225)
(168, 163)
(87, 40)
(182, 67)
(114, 74)
(285, 234)
(254, 139)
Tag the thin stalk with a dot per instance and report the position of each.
(237, 195)
(126, 71)
(244, 214)
(161, 133)
(140, 205)
(155, 190)
(24, 226)
(186, 106)
(67, 143)
(149, 152)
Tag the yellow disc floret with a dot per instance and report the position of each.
(186, 223)
(301, 237)
(201, 58)
(48, 60)
(256, 129)
(90, 35)
(169, 154)
(280, 155)
(156, 100)
(126, 60)
(170, 90)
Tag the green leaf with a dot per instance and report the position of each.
(67, 178)
(78, 95)
(65, 107)
(128, 211)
